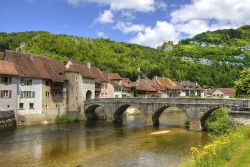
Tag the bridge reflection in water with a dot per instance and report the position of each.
(197, 110)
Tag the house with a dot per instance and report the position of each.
(223, 92)
(39, 77)
(167, 87)
(114, 87)
(81, 85)
(188, 88)
(101, 83)
(128, 87)
(8, 86)
(146, 88)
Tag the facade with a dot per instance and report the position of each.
(40, 87)
(223, 92)
(167, 87)
(101, 84)
(8, 86)
(144, 88)
(81, 85)
(188, 88)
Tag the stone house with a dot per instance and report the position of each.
(167, 87)
(223, 92)
(128, 87)
(146, 88)
(37, 76)
(188, 88)
(114, 87)
(101, 83)
(8, 86)
(81, 85)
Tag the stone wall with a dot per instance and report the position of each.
(7, 120)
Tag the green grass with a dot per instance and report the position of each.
(242, 156)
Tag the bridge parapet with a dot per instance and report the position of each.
(196, 109)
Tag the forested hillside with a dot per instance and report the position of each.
(211, 58)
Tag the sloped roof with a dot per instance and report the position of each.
(111, 76)
(228, 91)
(188, 85)
(82, 69)
(36, 66)
(144, 85)
(126, 83)
(7, 68)
(98, 74)
(166, 83)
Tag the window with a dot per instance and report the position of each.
(46, 106)
(26, 82)
(31, 105)
(20, 105)
(6, 80)
(47, 94)
(8, 106)
(27, 94)
(5, 94)
(47, 82)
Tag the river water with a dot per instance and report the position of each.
(101, 144)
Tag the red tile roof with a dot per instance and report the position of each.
(7, 68)
(227, 91)
(82, 69)
(36, 66)
(98, 74)
(144, 85)
(166, 83)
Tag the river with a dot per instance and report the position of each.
(100, 144)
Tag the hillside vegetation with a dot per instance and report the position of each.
(211, 58)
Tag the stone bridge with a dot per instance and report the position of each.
(196, 109)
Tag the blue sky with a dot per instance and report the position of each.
(145, 22)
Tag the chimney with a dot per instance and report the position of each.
(89, 65)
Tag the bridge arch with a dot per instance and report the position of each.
(159, 111)
(205, 116)
(119, 112)
(90, 112)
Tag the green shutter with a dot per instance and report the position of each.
(33, 94)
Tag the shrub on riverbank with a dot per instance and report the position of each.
(220, 151)
(220, 123)
(67, 119)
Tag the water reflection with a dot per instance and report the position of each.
(97, 144)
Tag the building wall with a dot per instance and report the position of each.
(53, 104)
(73, 91)
(86, 85)
(9, 103)
(104, 91)
(37, 100)
(110, 91)
(217, 93)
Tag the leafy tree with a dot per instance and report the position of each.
(242, 85)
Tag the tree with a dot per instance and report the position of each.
(242, 85)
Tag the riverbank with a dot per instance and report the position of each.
(241, 157)
(222, 150)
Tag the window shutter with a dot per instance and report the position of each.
(2, 79)
(1, 95)
(10, 79)
(21, 94)
(33, 94)
(10, 94)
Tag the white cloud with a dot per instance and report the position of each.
(101, 34)
(161, 5)
(138, 5)
(153, 37)
(128, 14)
(128, 27)
(224, 11)
(106, 17)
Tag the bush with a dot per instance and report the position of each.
(66, 119)
(219, 122)
(219, 152)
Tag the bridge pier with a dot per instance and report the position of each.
(195, 125)
(148, 120)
